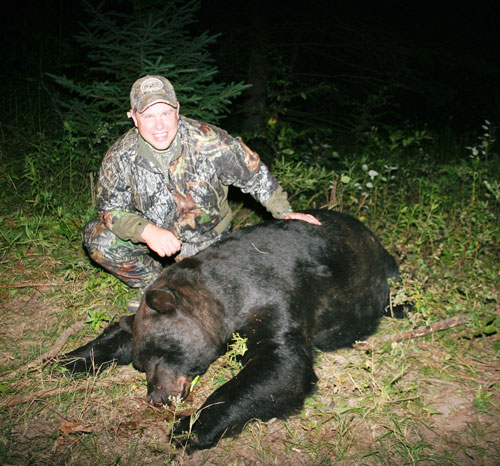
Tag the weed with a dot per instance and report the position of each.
(236, 350)
(96, 319)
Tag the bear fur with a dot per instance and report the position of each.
(287, 286)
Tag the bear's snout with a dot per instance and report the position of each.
(170, 394)
(158, 396)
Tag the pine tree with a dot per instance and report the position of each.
(125, 45)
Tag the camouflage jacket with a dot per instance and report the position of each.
(183, 189)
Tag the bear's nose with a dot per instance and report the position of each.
(158, 396)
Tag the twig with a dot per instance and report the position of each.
(29, 284)
(85, 385)
(93, 193)
(16, 400)
(51, 353)
(258, 250)
(410, 334)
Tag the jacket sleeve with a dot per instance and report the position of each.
(115, 205)
(239, 166)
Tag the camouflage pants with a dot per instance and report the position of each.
(132, 263)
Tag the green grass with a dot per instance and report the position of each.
(430, 400)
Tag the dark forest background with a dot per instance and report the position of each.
(335, 69)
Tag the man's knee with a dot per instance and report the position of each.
(89, 232)
(111, 252)
(97, 239)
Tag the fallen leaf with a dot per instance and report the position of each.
(77, 427)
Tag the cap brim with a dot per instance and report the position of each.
(156, 101)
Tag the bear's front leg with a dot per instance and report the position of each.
(274, 382)
(114, 345)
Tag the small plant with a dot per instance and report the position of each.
(231, 362)
(236, 350)
(395, 143)
(306, 183)
(485, 143)
(96, 319)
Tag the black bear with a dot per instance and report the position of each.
(286, 285)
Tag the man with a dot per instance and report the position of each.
(163, 188)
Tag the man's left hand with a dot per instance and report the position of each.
(304, 217)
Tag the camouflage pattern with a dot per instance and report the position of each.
(130, 262)
(190, 197)
(150, 90)
(185, 193)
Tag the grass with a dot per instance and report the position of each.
(430, 400)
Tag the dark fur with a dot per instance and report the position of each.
(287, 286)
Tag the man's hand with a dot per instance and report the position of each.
(304, 217)
(161, 241)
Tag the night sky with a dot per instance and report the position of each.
(450, 50)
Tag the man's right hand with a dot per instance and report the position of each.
(161, 241)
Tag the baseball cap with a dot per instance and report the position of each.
(150, 90)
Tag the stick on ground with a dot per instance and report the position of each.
(29, 285)
(445, 324)
(51, 353)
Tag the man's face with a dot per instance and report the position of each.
(157, 124)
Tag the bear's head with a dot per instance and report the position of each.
(175, 338)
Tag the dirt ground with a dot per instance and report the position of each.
(432, 400)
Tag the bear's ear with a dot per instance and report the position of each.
(162, 301)
(127, 323)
